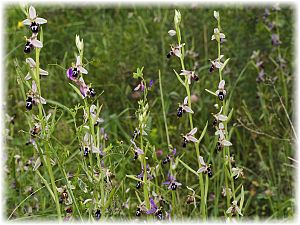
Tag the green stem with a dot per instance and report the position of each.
(144, 163)
(187, 87)
(173, 212)
(282, 78)
(52, 180)
(226, 149)
(163, 108)
(36, 78)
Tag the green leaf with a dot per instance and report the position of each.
(37, 164)
(206, 189)
(77, 90)
(108, 148)
(134, 178)
(111, 195)
(60, 105)
(82, 185)
(139, 73)
(242, 197)
(224, 64)
(229, 115)
(210, 92)
(179, 78)
(203, 132)
(189, 168)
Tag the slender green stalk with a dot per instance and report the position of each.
(50, 171)
(36, 78)
(69, 188)
(173, 213)
(282, 78)
(187, 87)
(226, 149)
(163, 108)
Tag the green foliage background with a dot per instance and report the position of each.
(118, 39)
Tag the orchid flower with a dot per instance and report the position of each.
(175, 50)
(206, 169)
(85, 90)
(155, 210)
(216, 64)
(33, 97)
(137, 150)
(184, 108)
(221, 92)
(74, 71)
(31, 43)
(32, 66)
(190, 74)
(234, 209)
(236, 172)
(189, 137)
(217, 35)
(88, 143)
(172, 183)
(33, 20)
(219, 117)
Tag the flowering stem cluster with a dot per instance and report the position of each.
(142, 114)
(220, 122)
(189, 77)
(41, 129)
(92, 140)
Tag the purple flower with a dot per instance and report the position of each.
(140, 87)
(155, 210)
(74, 71)
(266, 14)
(159, 152)
(85, 90)
(153, 207)
(141, 175)
(101, 150)
(137, 150)
(83, 87)
(170, 157)
(261, 75)
(70, 74)
(275, 40)
(172, 183)
(151, 83)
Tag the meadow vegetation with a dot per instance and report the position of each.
(143, 113)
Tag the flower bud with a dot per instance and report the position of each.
(172, 33)
(79, 44)
(216, 15)
(177, 18)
